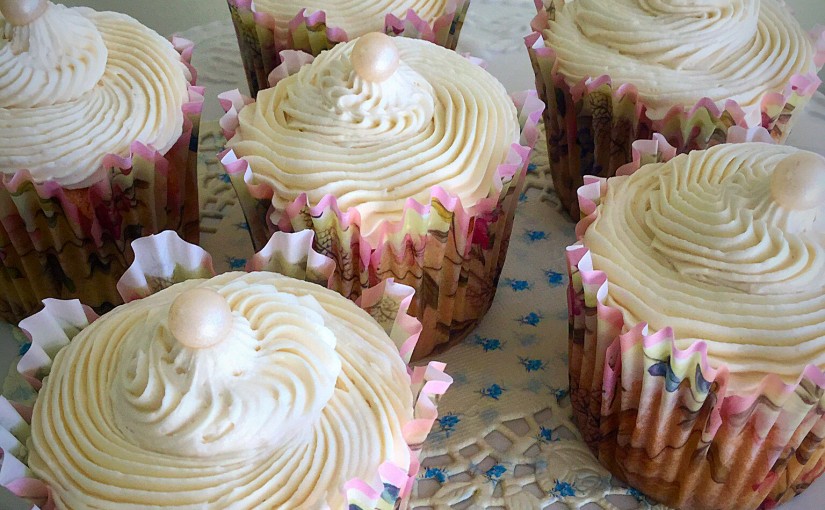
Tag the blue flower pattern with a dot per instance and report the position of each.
(531, 365)
(494, 391)
(637, 495)
(562, 489)
(532, 236)
(531, 319)
(236, 263)
(554, 278)
(495, 473)
(436, 473)
(448, 422)
(518, 285)
(546, 435)
(559, 393)
(488, 344)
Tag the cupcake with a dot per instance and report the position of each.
(615, 72)
(697, 325)
(243, 390)
(267, 27)
(405, 159)
(99, 121)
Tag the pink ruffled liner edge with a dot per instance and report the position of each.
(802, 85)
(46, 331)
(595, 283)
(98, 180)
(392, 24)
(527, 102)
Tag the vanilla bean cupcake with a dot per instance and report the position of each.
(697, 342)
(405, 158)
(615, 72)
(267, 27)
(240, 391)
(99, 121)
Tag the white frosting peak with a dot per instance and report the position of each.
(55, 59)
(331, 100)
(262, 386)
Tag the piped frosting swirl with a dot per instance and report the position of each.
(57, 59)
(335, 103)
(678, 52)
(700, 245)
(306, 393)
(75, 87)
(439, 120)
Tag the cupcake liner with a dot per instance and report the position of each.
(165, 259)
(662, 419)
(261, 40)
(591, 125)
(74, 243)
(450, 253)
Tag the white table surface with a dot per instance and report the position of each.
(508, 61)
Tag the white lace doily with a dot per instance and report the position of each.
(504, 438)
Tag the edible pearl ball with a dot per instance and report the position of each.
(200, 318)
(374, 57)
(798, 181)
(22, 12)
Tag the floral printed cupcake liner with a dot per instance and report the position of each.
(74, 243)
(450, 253)
(592, 124)
(662, 419)
(261, 41)
(165, 259)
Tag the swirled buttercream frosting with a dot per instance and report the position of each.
(76, 85)
(439, 120)
(355, 17)
(677, 52)
(701, 245)
(305, 393)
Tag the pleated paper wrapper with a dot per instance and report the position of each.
(165, 259)
(592, 124)
(662, 419)
(57, 242)
(450, 253)
(261, 40)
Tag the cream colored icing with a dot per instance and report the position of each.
(677, 52)
(76, 85)
(438, 121)
(698, 244)
(355, 17)
(306, 393)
